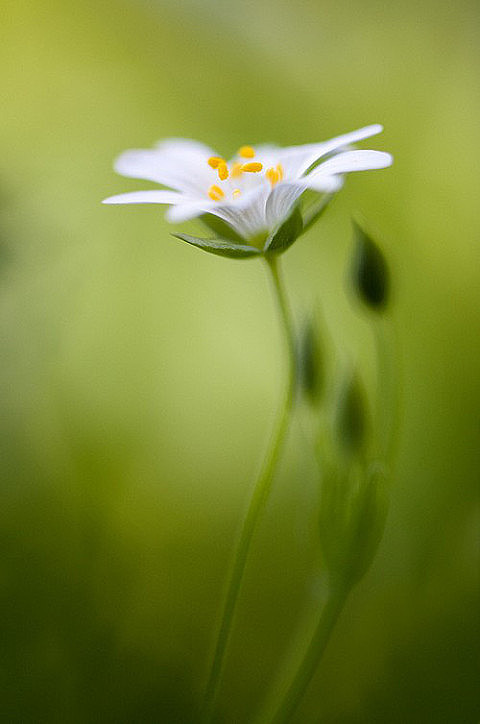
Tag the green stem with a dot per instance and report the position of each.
(257, 503)
(330, 613)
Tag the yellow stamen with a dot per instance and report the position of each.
(215, 161)
(279, 169)
(273, 175)
(252, 167)
(236, 170)
(246, 152)
(222, 171)
(236, 193)
(215, 193)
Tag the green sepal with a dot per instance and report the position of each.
(315, 211)
(220, 247)
(284, 236)
(221, 229)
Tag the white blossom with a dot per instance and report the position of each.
(254, 191)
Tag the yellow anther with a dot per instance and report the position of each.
(215, 161)
(236, 193)
(246, 152)
(215, 193)
(279, 169)
(273, 175)
(252, 167)
(222, 171)
(236, 170)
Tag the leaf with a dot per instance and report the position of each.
(370, 275)
(221, 247)
(285, 234)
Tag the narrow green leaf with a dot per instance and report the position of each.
(285, 234)
(221, 247)
(370, 274)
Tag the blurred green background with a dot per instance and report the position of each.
(140, 377)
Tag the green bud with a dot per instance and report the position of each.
(352, 519)
(351, 418)
(370, 274)
(311, 373)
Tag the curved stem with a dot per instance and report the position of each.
(257, 503)
(331, 611)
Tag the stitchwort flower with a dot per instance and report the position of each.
(252, 203)
(254, 195)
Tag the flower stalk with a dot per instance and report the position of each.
(259, 498)
(318, 643)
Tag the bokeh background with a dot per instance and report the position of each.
(140, 377)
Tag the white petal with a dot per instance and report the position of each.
(297, 159)
(178, 163)
(323, 184)
(280, 202)
(189, 210)
(186, 148)
(352, 161)
(246, 215)
(146, 197)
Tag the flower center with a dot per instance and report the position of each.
(237, 169)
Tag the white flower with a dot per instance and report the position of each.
(255, 191)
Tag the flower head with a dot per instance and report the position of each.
(254, 193)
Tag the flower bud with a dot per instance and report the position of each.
(311, 373)
(370, 275)
(351, 418)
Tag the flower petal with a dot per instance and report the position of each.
(280, 201)
(246, 215)
(297, 159)
(190, 209)
(146, 197)
(352, 161)
(178, 163)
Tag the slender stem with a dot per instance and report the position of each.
(257, 503)
(330, 613)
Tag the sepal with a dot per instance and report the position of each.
(285, 234)
(220, 247)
